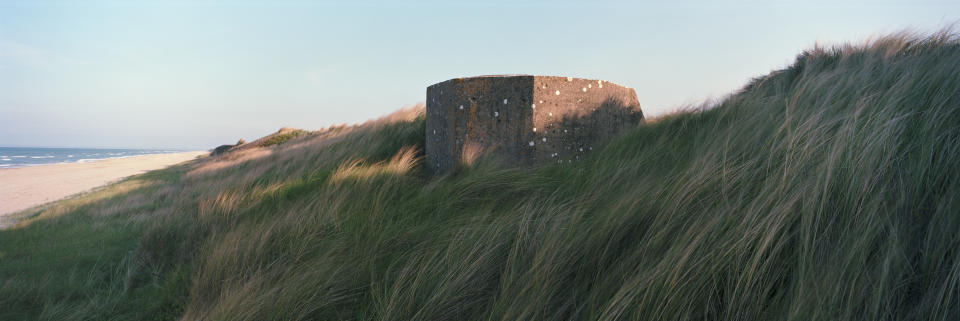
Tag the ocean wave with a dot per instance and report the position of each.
(45, 157)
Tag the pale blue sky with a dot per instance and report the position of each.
(196, 74)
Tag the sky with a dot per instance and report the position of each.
(197, 74)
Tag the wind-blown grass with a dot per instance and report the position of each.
(824, 191)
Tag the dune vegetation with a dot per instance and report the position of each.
(829, 190)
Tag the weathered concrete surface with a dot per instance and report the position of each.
(524, 119)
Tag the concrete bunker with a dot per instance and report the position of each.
(524, 119)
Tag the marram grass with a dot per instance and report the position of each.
(829, 190)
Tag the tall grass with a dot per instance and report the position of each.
(824, 191)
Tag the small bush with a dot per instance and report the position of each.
(281, 138)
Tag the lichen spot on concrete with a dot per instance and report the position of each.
(504, 101)
(558, 93)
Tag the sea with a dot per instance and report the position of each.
(12, 157)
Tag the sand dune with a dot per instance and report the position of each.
(25, 187)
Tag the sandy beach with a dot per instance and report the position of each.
(25, 187)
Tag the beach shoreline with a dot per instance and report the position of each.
(25, 187)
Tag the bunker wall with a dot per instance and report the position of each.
(523, 120)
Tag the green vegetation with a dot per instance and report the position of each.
(824, 191)
(283, 136)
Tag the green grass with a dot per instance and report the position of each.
(77, 258)
(824, 191)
